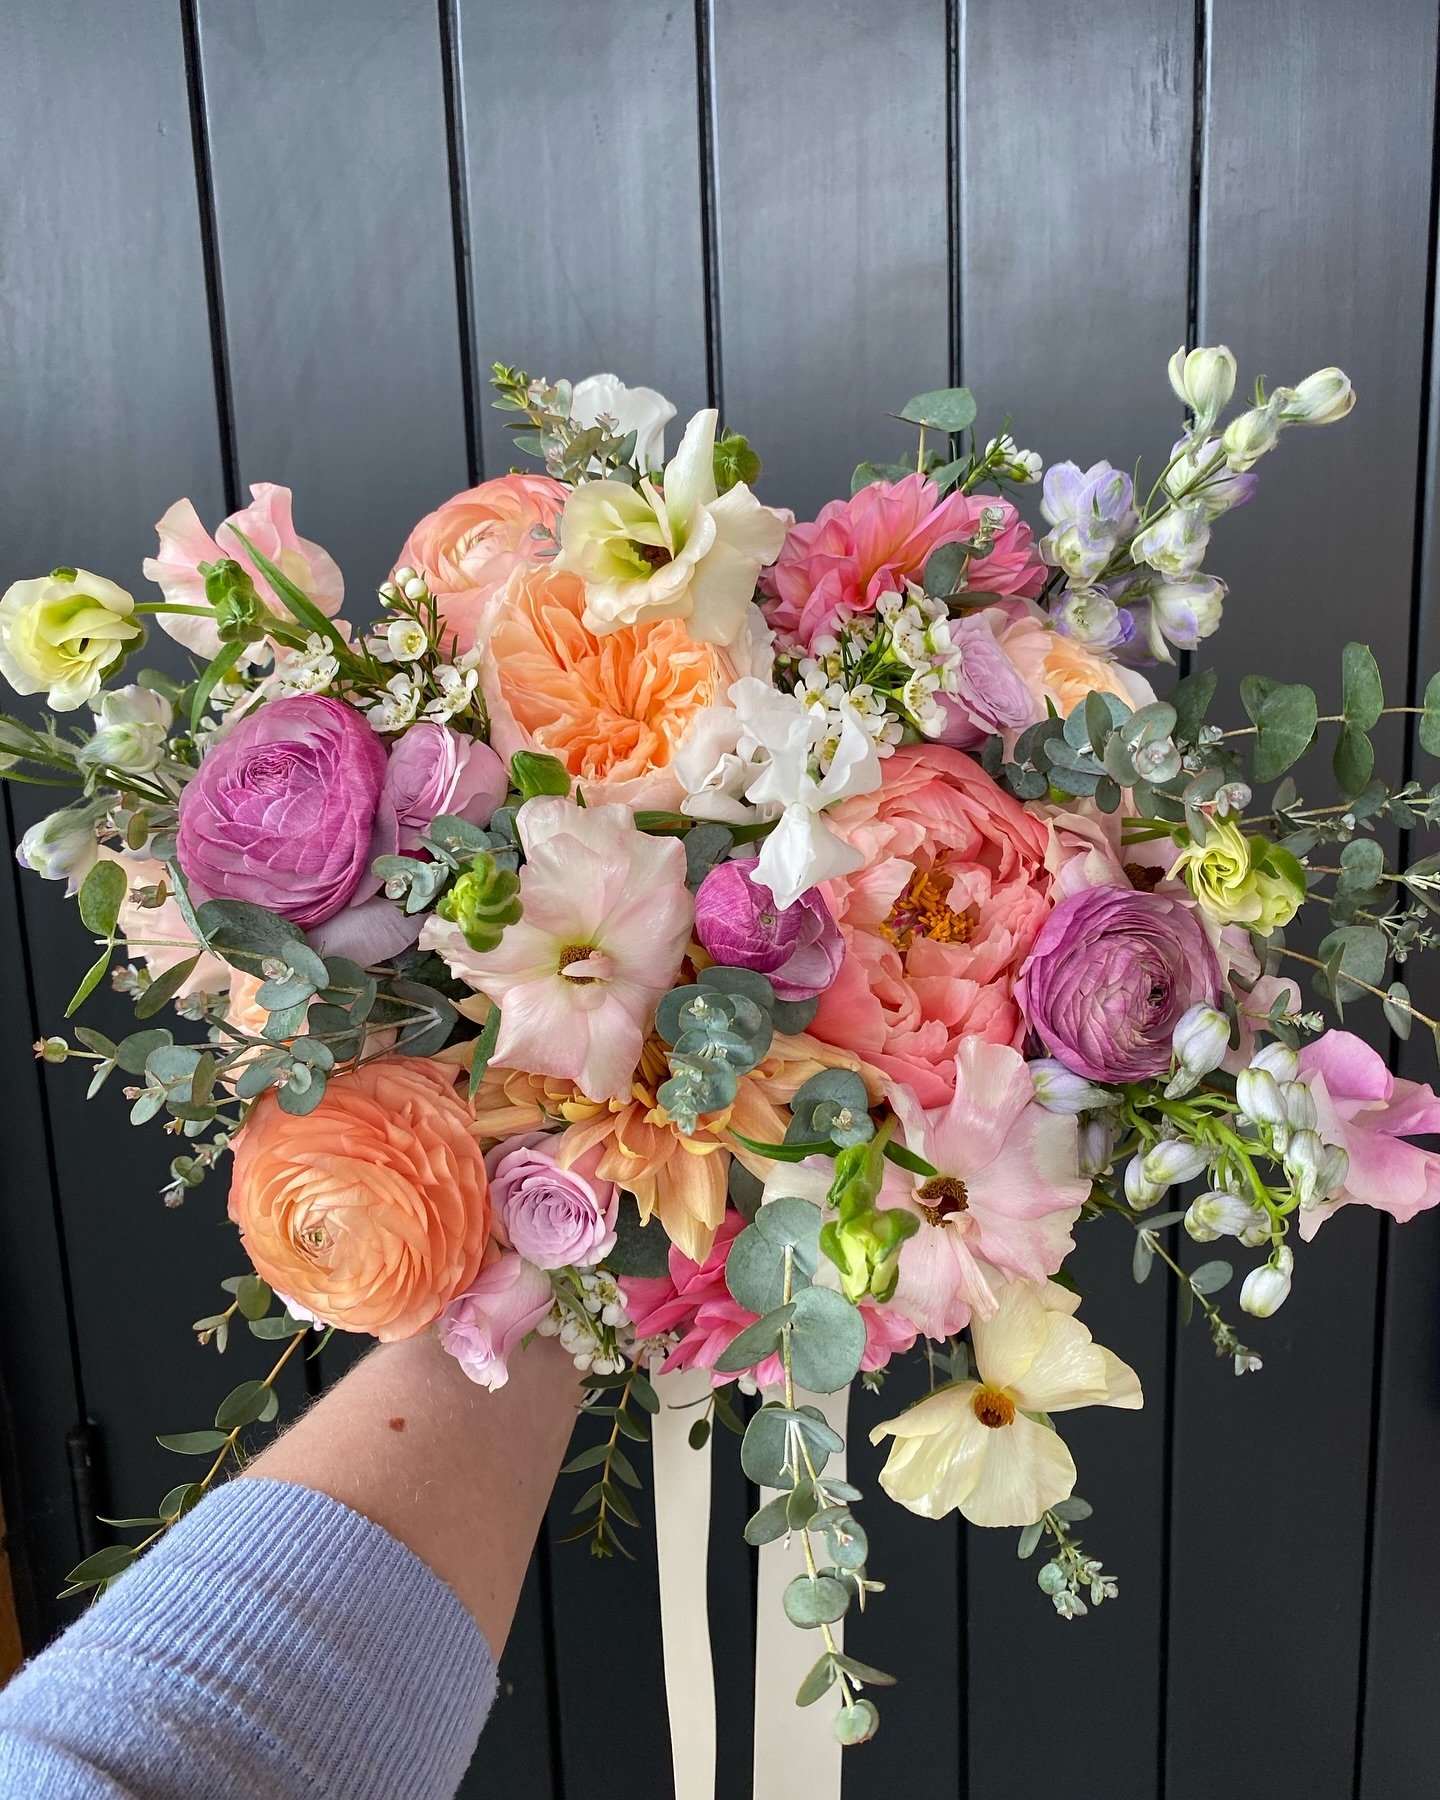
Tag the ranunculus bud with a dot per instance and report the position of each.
(1202, 1038)
(1060, 1091)
(1246, 439)
(62, 846)
(1277, 1059)
(1218, 1214)
(1320, 399)
(798, 946)
(1204, 379)
(1266, 1289)
(134, 722)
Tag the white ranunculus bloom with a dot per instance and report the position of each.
(638, 409)
(971, 1448)
(680, 550)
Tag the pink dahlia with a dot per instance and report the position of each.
(872, 543)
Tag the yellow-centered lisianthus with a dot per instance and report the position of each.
(1241, 881)
(62, 634)
(682, 550)
(973, 1447)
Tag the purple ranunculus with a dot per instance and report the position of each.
(990, 697)
(1112, 971)
(554, 1217)
(799, 946)
(282, 810)
(433, 770)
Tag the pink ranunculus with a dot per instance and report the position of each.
(1008, 1190)
(468, 548)
(694, 1301)
(798, 947)
(481, 1328)
(434, 770)
(1371, 1114)
(952, 895)
(554, 1216)
(881, 537)
(283, 811)
(266, 522)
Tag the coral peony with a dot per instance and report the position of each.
(373, 1210)
(468, 548)
(613, 709)
(876, 541)
(952, 895)
(267, 523)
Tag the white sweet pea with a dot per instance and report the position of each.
(1204, 379)
(1320, 399)
(1266, 1289)
(638, 409)
(681, 550)
(133, 725)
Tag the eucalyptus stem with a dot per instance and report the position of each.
(1365, 987)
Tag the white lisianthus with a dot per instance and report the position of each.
(972, 1448)
(62, 634)
(682, 550)
(638, 409)
(134, 722)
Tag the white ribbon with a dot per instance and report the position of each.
(682, 1545)
(796, 1750)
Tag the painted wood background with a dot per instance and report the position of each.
(284, 239)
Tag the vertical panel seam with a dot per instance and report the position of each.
(210, 253)
(452, 81)
(953, 180)
(709, 204)
(1426, 460)
(544, 1573)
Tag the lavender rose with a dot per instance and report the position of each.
(433, 770)
(281, 812)
(990, 696)
(1112, 971)
(798, 946)
(553, 1216)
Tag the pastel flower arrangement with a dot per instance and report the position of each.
(732, 944)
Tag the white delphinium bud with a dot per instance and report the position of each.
(133, 725)
(405, 640)
(1304, 1158)
(1140, 1191)
(1095, 1141)
(1260, 1098)
(1200, 1041)
(1060, 1090)
(1320, 399)
(1218, 1214)
(1173, 1161)
(1246, 439)
(1266, 1289)
(1205, 380)
(1277, 1059)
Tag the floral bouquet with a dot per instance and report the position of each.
(736, 946)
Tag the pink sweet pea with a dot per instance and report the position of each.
(185, 544)
(480, 1329)
(1008, 1190)
(1370, 1114)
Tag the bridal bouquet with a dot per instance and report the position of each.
(738, 945)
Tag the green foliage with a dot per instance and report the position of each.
(735, 461)
(1284, 715)
(946, 409)
(533, 774)
(482, 902)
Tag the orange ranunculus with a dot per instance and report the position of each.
(468, 548)
(613, 709)
(373, 1211)
(683, 1179)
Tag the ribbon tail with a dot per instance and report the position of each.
(682, 1544)
(796, 1750)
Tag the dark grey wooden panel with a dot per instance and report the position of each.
(582, 170)
(1313, 248)
(333, 217)
(832, 223)
(1073, 255)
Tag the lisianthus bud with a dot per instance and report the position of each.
(1239, 880)
(1173, 1161)
(1246, 439)
(1277, 1059)
(1175, 543)
(1266, 1289)
(1204, 379)
(1218, 1214)
(134, 722)
(1060, 1091)
(62, 846)
(1320, 399)
(1260, 1098)
(1202, 1037)
(482, 901)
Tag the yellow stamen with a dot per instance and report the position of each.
(993, 1407)
(924, 909)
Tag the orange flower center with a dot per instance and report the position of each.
(993, 1408)
(942, 1196)
(924, 909)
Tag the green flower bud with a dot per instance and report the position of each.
(241, 616)
(482, 901)
(735, 461)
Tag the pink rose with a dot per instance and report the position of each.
(876, 541)
(952, 896)
(1371, 1114)
(185, 544)
(992, 697)
(468, 548)
(433, 770)
(554, 1216)
(504, 1303)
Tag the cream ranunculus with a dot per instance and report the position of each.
(682, 550)
(62, 634)
(971, 1447)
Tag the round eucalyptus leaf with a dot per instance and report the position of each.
(819, 1602)
(855, 1724)
(827, 1340)
(755, 1270)
(844, 1537)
